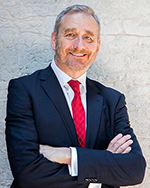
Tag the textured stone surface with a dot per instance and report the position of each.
(123, 61)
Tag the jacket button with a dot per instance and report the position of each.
(91, 179)
(94, 179)
(88, 179)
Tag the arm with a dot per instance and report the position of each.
(62, 155)
(30, 168)
(122, 159)
(112, 168)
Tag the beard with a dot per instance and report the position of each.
(76, 64)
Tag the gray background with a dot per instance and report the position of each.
(122, 63)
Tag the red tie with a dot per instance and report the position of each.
(78, 113)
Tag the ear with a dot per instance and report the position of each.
(98, 45)
(53, 41)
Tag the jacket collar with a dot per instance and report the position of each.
(51, 86)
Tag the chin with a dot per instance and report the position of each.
(78, 66)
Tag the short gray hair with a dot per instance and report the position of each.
(75, 9)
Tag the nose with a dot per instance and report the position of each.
(79, 43)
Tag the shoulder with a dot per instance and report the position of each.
(108, 93)
(32, 79)
(102, 88)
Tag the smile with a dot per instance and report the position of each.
(78, 55)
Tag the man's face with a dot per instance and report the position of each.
(77, 43)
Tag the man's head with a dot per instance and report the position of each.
(75, 39)
(76, 9)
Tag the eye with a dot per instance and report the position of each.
(70, 35)
(88, 39)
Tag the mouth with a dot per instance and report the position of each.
(78, 55)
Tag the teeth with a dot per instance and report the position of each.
(79, 55)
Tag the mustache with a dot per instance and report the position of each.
(77, 51)
(72, 50)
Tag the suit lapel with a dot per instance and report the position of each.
(94, 108)
(51, 86)
(53, 89)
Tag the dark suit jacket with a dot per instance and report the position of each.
(37, 113)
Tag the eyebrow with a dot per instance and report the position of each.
(90, 32)
(70, 30)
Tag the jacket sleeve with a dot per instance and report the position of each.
(30, 169)
(102, 166)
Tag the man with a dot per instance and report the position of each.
(64, 130)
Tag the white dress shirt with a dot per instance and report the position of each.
(63, 79)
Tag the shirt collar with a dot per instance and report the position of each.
(64, 78)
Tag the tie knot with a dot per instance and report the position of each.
(74, 84)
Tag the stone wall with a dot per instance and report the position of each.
(122, 63)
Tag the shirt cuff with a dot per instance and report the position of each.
(73, 168)
(95, 185)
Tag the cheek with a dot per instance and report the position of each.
(64, 46)
(91, 47)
